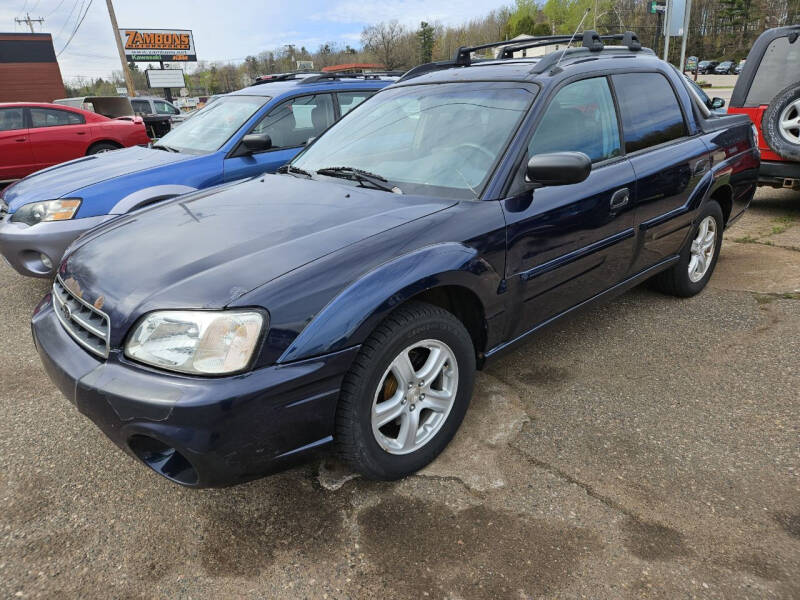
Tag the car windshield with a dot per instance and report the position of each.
(441, 140)
(212, 125)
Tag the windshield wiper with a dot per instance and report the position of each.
(362, 177)
(290, 169)
(164, 147)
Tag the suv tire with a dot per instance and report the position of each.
(428, 336)
(685, 279)
(786, 103)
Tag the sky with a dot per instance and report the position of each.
(224, 30)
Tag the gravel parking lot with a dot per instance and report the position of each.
(649, 447)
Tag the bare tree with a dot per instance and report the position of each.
(386, 42)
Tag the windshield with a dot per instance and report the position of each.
(441, 140)
(212, 126)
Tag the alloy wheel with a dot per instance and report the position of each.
(414, 397)
(702, 249)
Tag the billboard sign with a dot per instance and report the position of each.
(165, 78)
(677, 13)
(158, 45)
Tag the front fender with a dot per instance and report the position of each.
(352, 315)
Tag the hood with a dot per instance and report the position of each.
(207, 249)
(69, 177)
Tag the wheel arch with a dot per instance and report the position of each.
(449, 275)
(103, 141)
(723, 195)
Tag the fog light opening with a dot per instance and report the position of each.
(163, 459)
(48, 264)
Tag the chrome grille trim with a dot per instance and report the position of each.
(87, 325)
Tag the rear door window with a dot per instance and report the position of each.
(779, 68)
(11, 119)
(349, 100)
(650, 112)
(47, 117)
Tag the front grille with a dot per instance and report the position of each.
(86, 324)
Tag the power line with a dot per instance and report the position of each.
(69, 16)
(52, 12)
(76, 27)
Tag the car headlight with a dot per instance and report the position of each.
(197, 342)
(51, 210)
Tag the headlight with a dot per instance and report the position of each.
(51, 210)
(197, 342)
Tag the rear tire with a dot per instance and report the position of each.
(101, 147)
(698, 258)
(391, 421)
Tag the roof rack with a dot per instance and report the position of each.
(326, 76)
(280, 77)
(590, 40)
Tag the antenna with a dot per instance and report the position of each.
(586, 14)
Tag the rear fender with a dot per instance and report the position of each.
(352, 315)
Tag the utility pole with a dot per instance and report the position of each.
(125, 71)
(30, 21)
(667, 26)
(686, 17)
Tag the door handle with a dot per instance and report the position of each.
(81, 132)
(21, 140)
(620, 198)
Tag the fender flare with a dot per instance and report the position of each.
(350, 317)
(139, 197)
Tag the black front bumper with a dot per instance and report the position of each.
(777, 173)
(229, 429)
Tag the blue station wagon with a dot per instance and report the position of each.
(348, 300)
(240, 135)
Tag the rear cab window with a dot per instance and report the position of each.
(779, 68)
(650, 112)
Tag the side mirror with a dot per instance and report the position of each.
(254, 142)
(717, 103)
(558, 168)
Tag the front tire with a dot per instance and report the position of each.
(698, 258)
(406, 394)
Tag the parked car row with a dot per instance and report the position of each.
(706, 67)
(347, 299)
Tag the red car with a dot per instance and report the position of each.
(34, 136)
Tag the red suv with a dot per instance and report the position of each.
(768, 91)
(36, 136)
